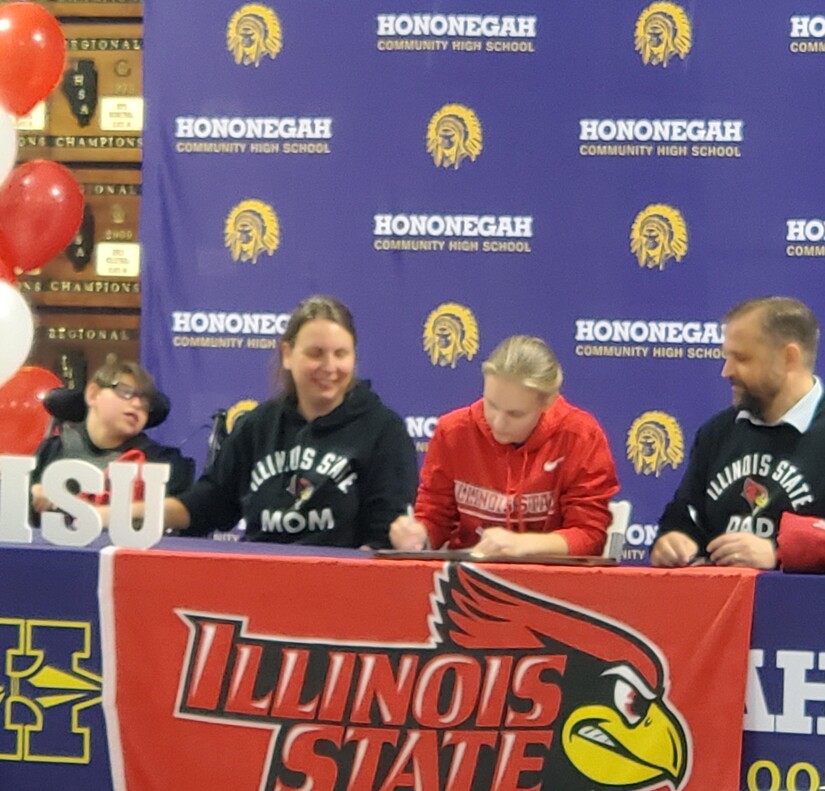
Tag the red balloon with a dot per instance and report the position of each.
(41, 206)
(32, 54)
(23, 418)
(7, 273)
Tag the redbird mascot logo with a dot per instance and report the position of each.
(756, 494)
(512, 691)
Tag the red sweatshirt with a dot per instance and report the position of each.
(560, 479)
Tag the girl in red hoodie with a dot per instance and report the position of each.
(519, 472)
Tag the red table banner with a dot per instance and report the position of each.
(264, 674)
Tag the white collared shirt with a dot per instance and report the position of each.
(800, 415)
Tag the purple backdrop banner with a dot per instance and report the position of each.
(610, 176)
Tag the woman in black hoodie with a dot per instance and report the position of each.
(323, 463)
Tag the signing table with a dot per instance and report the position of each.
(207, 665)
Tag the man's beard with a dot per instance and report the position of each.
(752, 403)
(757, 403)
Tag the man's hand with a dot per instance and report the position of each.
(674, 549)
(408, 534)
(742, 549)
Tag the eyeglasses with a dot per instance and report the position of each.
(127, 393)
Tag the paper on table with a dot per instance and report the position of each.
(467, 556)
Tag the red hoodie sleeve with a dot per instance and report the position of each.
(585, 515)
(435, 502)
(800, 543)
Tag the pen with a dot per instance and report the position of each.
(411, 518)
(700, 560)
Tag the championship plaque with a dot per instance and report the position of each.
(95, 114)
(91, 8)
(101, 266)
(76, 343)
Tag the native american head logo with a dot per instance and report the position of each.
(510, 684)
(654, 442)
(453, 135)
(251, 228)
(253, 32)
(658, 235)
(450, 333)
(662, 31)
(756, 495)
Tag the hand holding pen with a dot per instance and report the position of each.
(408, 534)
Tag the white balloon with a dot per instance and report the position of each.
(8, 145)
(16, 331)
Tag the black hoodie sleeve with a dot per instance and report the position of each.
(685, 513)
(214, 501)
(389, 485)
(182, 471)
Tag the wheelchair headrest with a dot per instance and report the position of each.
(70, 405)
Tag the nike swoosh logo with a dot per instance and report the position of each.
(549, 466)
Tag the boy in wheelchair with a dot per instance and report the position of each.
(105, 422)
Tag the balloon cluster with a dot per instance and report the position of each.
(41, 204)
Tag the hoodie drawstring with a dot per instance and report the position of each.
(516, 497)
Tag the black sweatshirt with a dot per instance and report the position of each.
(741, 477)
(339, 480)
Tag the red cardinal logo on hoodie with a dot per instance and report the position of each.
(756, 494)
